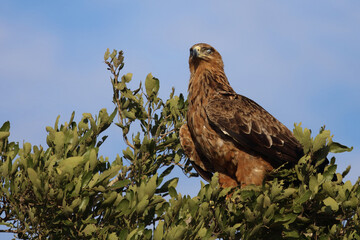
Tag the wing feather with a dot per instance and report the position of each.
(200, 163)
(252, 127)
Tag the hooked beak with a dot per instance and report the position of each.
(195, 52)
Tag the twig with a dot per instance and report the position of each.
(8, 231)
(165, 134)
(149, 120)
(116, 77)
(113, 181)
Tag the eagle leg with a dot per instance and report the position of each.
(226, 181)
(252, 170)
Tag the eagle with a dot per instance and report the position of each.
(229, 133)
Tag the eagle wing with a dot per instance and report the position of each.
(252, 128)
(200, 162)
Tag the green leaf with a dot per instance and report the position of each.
(288, 192)
(107, 54)
(92, 159)
(142, 205)
(67, 165)
(83, 204)
(269, 213)
(339, 148)
(320, 140)
(113, 54)
(172, 192)
(170, 183)
(152, 85)
(120, 86)
(291, 234)
(276, 190)
(151, 186)
(177, 232)
(75, 203)
(112, 236)
(159, 231)
(94, 180)
(110, 173)
(313, 184)
(353, 202)
(57, 123)
(5, 127)
(110, 199)
(123, 205)
(224, 192)
(67, 210)
(330, 202)
(27, 148)
(89, 229)
(166, 172)
(34, 178)
(214, 180)
(266, 202)
(288, 218)
(127, 78)
(112, 115)
(131, 234)
(4, 135)
(329, 188)
(304, 197)
(202, 232)
(72, 117)
(123, 234)
(303, 136)
(249, 215)
(121, 184)
(128, 153)
(347, 170)
(329, 172)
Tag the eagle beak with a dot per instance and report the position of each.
(195, 52)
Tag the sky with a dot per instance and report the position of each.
(300, 60)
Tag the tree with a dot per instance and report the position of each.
(68, 191)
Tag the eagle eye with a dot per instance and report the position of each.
(209, 51)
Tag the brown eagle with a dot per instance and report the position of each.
(227, 132)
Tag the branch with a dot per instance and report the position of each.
(8, 231)
(113, 181)
(162, 136)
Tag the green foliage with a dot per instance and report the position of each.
(54, 192)
(68, 191)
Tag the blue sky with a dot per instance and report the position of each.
(300, 60)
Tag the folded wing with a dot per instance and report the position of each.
(253, 129)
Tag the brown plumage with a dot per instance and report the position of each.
(227, 132)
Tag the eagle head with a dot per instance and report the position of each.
(202, 53)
